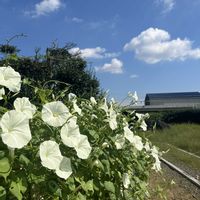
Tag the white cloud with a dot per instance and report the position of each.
(115, 67)
(133, 76)
(44, 7)
(167, 5)
(155, 45)
(77, 20)
(95, 53)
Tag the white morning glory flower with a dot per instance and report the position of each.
(71, 96)
(112, 100)
(141, 118)
(93, 116)
(76, 108)
(64, 170)
(119, 142)
(105, 145)
(2, 93)
(83, 147)
(10, 79)
(51, 158)
(93, 101)
(104, 106)
(55, 113)
(112, 118)
(125, 123)
(137, 142)
(147, 147)
(24, 105)
(143, 126)
(70, 133)
(134, 97)
(50, 154)
(157, 165)
(15, 129)
(155, 154)
(126, 180)
(128, 134)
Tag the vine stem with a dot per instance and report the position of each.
(12, 154)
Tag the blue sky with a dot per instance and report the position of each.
(145, 46)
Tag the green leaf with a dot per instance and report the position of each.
(54, 188)
(2, 193)
(37, 178)
(2, 154)
(18, 187)
(5, 167)
(94, 134)
(87, 186)
(109, 186)
(106, 163)
(80, 197)
(44, 94)
(24, 160)
(71, 184)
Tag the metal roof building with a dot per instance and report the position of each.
(173, 99)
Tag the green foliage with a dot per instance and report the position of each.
(99, 176)
(174, 117)
(57, 64)
(5, 167)
(2, 193)
(18, 187)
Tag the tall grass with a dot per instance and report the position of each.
(184, 136)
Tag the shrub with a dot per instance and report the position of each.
(70, 149)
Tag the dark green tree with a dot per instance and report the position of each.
(56, 64)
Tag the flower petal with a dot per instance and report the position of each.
(70, 133)
(126, 180)
(50, 154)
(76, 108)
(55, 113)
(128, 134)
(93, 101)
(64, 170)
(2, 92)
(15, 129)
(112, 118)
(104, 106)
(137, 142)
(71, 96)
(10, 79)
(24, 105)
(83, 147)
(119, 142)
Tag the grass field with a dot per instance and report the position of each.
(183, 136)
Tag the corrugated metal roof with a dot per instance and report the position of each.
(173, 95)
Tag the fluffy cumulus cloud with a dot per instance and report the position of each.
(167, 5)
(115, 67)
(95, 53)
(155, 45)
(44, 7)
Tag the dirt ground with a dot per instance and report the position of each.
(171, 186)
